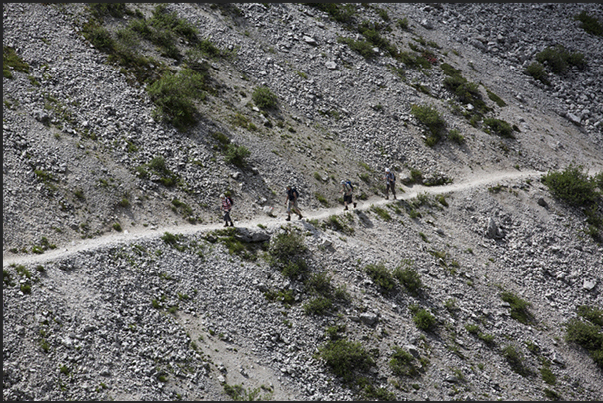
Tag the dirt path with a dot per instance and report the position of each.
(75, 246)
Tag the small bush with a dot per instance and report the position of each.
(11, 59)
(381, 212)
(588, 332)
(590, 24)
(519, 307)
(558, 59)
(455, 136)
(496, 99)
(537, 71)
(264, 98)
(286, 245)
(409, 278)
(429, 116)
(99, 36)
(117, 227)
(548, 376)
(364, 48)
(236, 155)
(572, 185)
(499, 127)
(381, 276)
(345, 358)
(551, 394)
(174, 96)
(423, 319)
(338, 12)
(403, 23)
(402, 363)
(318, 306)
(319, 283)
(323, 200)
(515, 359)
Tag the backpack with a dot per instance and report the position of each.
(230, 200)
(293, 192)
(349, 184)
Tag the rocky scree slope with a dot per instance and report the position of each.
(182, 317)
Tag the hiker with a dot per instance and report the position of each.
(226, 207)
(390, 183)
(291, 203)
(347, 190)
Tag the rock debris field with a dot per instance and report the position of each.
(120, 283)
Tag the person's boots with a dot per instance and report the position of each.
(300, 217)
(345, 208)
(288, 218)
(354, 204)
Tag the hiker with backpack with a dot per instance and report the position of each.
(226, 207)
(291, 203)
(347, 189)
(390, 183)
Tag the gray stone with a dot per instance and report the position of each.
(589, 284)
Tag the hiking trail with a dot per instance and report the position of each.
(410, 192)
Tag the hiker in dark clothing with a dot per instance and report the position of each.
(226, 207)
(347, 190)
(390, 183)
(291, 203)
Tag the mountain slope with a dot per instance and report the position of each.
(91, 172)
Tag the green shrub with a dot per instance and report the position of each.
(286, 244)
(572, 185)
(236, 155)
(495, 98)
(381, 212)
(499, 127)
(413, 61)
(364, 48)
(284, 296)
(99, 36)
(591, 314)
(403, 23)
(537, 71)
(318, 306)
(173, 240)
(429, 116)
(11, 59)
(455, 136)
(558, 59)
(100, 10)
(319, 283)
(170, 21)
(263, 98)
(515, 359)
(174, 96)
(551, 394)
(337, 12)
(402, 363)
(519, 307)
(473, 329)
(548, 376)
(323, 200)
(381, 276)
(346, 358)
(587, 332)
(424, 320)
(409, 278)
(589, 24)
(486, 338)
